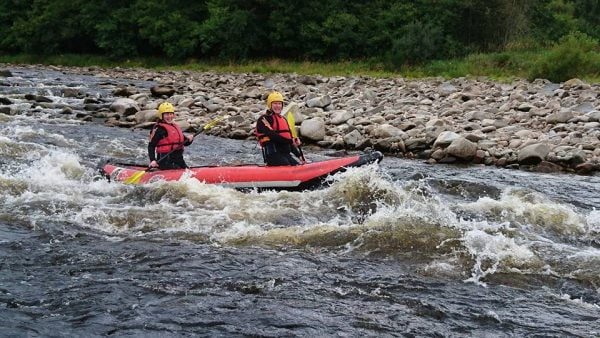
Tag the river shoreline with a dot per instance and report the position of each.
(538, 126)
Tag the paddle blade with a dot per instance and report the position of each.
(292, 123)
(211, 124)
(214, 122)
(135, 178)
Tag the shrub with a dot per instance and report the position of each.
(418, 42)
(575, 55)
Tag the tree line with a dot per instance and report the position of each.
(395, 31)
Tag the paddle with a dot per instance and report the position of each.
(135, 178)
(292, 123)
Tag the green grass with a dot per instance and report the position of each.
(345, 68)
(503, 66)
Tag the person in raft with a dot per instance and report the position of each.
(274, 135)
(165, 148)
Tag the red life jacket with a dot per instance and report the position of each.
(174, 139)
(279, 125)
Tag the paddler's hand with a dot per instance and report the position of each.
(153, 164)
(297, 142)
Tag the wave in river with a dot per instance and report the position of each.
(363, 211)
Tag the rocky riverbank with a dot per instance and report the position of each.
(535, 125)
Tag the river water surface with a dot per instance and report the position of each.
(396, 249)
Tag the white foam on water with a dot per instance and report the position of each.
(573, 301)
(220, 214)
(490, 250)
(525, 209)
(98, 217)
(493, 315)
(593, 223)
(447, 266)
(538, 236)
(55, 171)
(128, 149)
(238, 231)
(362, 210)
(27, 133)
(56, 186)
(11, 146)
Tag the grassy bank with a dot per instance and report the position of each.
(502, 67)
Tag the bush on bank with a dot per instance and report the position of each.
(397, 33)
(504, 66)
(575, 55)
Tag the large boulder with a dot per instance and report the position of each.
(144, 116)
(185, 125)
(559, 117)
(445, 138)
(124, 91)
(446, 89)
(321, 101)
(295, 110)
(125, 106)
(533, 153)
(340, 116)
(416, 143)
(162, 90)
(594, 116)
(387, 130)
(70, 92)
(313, 129)
(462, 148)
(354, 138)
(239, 134)
(575, 84)
(252, 92)
(307, 80)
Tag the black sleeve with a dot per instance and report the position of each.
(158, 135)
(262, 128)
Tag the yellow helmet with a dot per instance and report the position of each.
(274, 97)
(165, 107)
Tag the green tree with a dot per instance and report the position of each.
(400, 31)
(9, 11)
(53, 27)
(171, 27)
(117, 33)
(232, 29)
(553, 19)
(588, 11)
(295, 29)
(418, 42)
(341, 32)
(574, 55)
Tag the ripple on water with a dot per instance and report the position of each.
(384, 250)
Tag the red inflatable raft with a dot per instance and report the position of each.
(245, 176)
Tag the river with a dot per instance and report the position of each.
(396, 249)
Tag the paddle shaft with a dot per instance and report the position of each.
(172, 151)
(301, 153)
(206, 127)
(135, 178)
(292, 125)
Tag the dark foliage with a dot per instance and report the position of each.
(397, 32)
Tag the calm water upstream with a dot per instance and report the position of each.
(398, 249)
